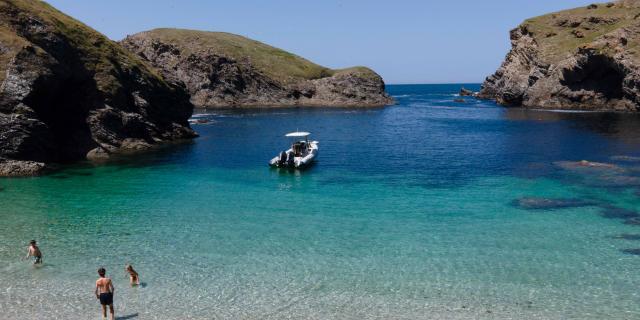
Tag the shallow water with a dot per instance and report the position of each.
(410, 213)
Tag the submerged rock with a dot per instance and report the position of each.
(625, 158)
(601, 174)
(67, 90)
(459, 100)
(627, 236)
(588, 63)
(226, 70)
(532, 203)
(585, 165)
(611, 212)
(633, 221)
(635, 252)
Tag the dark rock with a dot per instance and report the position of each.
(465, 92)
(635, 252)
(578, 33)
(601, 20)
(569, 23)
(68, 90)
(531, 203)
(611, 212)
(633, 221)
(627, 236)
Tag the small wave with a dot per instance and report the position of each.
(202, 115)
(569, 111)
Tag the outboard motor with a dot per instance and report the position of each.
(283, 158)
(290, 159)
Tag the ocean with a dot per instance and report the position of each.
(428, 209)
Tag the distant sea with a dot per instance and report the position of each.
(428, 209)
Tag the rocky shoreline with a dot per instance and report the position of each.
(580, 59)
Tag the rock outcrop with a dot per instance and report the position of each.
(226, 70)
(585, 58)
(68, 92)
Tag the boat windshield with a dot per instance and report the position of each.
(300, 148)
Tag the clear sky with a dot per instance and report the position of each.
(406, 41)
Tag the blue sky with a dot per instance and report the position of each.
(406, 41)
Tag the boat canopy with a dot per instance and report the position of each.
(297, 134)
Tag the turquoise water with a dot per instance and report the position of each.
(410, 213)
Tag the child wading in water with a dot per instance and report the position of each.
(34, 251)
(134, 279)
(104, 293)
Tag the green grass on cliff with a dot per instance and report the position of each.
(277, 64)
(557, 41)
(103, 57)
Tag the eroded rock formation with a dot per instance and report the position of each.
(585, 58)
(226, 70)
(68, 92)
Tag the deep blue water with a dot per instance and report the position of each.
(428, 209)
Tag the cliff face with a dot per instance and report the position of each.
(67, 93)
(226, 70)
(586, 58)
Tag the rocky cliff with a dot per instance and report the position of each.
(67, 93)
(584, 58)
(227, 70)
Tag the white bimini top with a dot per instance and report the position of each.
(297, 134)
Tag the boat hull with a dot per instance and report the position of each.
(297, 162)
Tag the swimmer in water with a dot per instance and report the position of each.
(34, 252)
(134, 278)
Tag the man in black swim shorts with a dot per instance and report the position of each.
(104, 293)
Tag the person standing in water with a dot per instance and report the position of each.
(104, 293)
(34, 251)
(134, 278)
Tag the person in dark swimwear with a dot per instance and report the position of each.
(104, 293)
(134, 278)
(34, 252)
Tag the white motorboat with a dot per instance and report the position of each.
(301, 154)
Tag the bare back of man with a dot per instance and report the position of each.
(103, 285)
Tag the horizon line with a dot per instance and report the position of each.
(430, 83)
